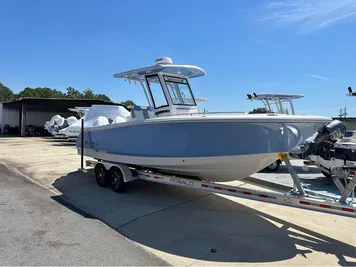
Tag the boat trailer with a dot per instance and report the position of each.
(116, 175)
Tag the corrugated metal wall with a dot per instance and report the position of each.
(350, 125)
(10, 117)
(36, 118)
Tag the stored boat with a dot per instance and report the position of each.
(278, 100)
(95, 116)
(62, 123)
(49, 124)
(275, 103)
(172, 136)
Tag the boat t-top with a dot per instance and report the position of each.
(269, 100)
(172, 136)
(81, 111)
(279, 100)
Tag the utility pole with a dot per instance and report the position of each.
(343, 113)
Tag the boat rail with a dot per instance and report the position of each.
(202, 113)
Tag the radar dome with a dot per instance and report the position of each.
(163, 61)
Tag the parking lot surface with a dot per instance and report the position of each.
(37, 229)
(189, 227)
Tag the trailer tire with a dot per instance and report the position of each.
(273, 167)
(117, 180)
(101, 175)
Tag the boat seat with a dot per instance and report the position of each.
(100, 121)
(137, 113)
(119, 119)
(148, 113)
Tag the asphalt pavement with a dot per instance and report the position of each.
(39, 228)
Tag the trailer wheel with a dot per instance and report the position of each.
(117, 180)
(273, 167)
(101, 176)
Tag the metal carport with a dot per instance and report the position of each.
(35, 111)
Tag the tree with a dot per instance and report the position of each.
(88, 94)
(73, 93)
(128, 103)
(45, 92)
(258, 111)
(103, 97)
(41, 92)
(58, 94)
(6, 93)
(29, 92)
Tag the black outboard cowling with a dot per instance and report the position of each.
(323, 140)
(333, 131)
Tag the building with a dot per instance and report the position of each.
(350, 122)
(36, 111)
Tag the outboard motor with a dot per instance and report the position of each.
(324, 139)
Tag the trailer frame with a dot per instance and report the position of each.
(117, 174)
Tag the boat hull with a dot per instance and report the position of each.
(215, 150)
(216, 169)
(308, 129)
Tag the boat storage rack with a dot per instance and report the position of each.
(117, 175)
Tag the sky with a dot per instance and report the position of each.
(301, 47)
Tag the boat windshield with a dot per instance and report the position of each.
(156, 91)
(179, 91)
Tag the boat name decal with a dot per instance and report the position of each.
(91, 143)
(181, 181)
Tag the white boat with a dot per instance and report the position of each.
(95, 115)
(275, 103)
(58, 122)
(81, 111)
(172, 136)
(278, 100)
(49, 124)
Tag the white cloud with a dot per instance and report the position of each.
(318, 77)
(310, 15)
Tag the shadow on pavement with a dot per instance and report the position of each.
(320, 183)
(299, 169)
(194, 224)
(65, 143)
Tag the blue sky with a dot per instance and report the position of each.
(303, 46)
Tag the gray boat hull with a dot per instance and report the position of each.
(214, 150)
